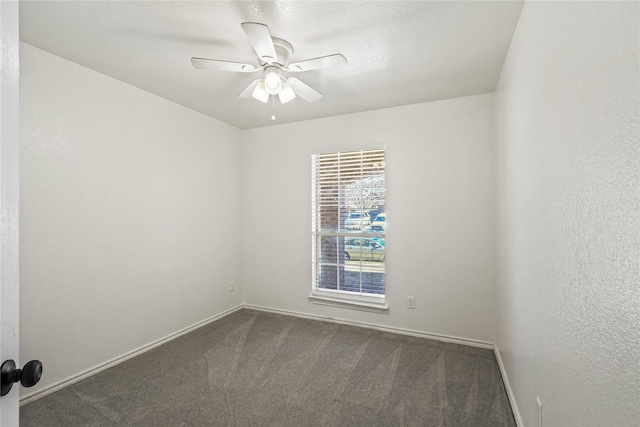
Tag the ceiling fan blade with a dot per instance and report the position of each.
(260, 38)
(316, 63)
(216, 64)
(304, 91)
(248, 91)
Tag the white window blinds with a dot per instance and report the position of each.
(349, 221)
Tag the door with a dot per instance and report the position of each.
(9, 137)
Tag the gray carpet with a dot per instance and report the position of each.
(258, 369)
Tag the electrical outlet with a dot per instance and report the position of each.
(232, 286)
(539, 411)
(411, 302)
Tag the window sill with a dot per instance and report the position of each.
(374, 305)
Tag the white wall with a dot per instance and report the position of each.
(569, 131)
(440, 205)
(129, 216)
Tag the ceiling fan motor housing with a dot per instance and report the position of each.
(284, 51)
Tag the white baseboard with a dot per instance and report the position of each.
(507, 386)
(119, 359)
(401, 331)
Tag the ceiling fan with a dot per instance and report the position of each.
(273, 54)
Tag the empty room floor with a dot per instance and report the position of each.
(259, 369)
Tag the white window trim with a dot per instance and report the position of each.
(344, 300)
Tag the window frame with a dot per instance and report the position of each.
(337, 297)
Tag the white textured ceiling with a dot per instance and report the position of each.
(399, 52)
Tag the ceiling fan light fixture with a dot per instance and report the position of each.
(273, 80)
(287, 93)
(260, 93)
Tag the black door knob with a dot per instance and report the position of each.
(28, 376)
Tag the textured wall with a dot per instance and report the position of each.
(440, 204)
(569, 130)
(128, 217)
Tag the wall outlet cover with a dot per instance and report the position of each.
(411, 302)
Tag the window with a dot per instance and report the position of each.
(348, 250)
